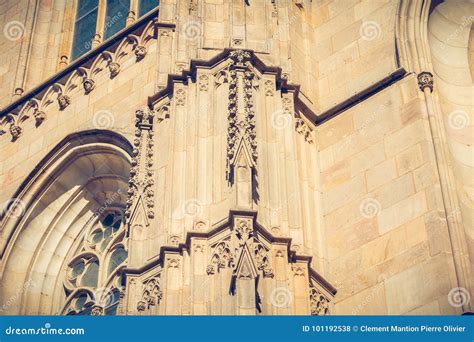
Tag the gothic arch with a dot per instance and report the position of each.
(83, 176)
(432, 39)
(449, 29)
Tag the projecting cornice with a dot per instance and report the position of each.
(281, 83)
(57, 91)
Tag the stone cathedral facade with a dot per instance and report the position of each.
(236, 157)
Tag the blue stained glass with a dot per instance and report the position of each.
(146, 6)
(116, 17)
(91, 275)
(116, 259)
(84, 29)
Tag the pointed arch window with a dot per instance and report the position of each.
(84, 27)
(99, 20)
(94, 280)
(116, 17)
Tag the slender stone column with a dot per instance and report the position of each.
(458, 244)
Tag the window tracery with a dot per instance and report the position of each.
(94, 280)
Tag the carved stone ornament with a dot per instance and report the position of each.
(140, 52)
(193, 6)
(141, 179)
(204, 82)
(240, 56)
(318, 302)
(302, 128)
(180, 96)
(262, 259)
(114, 69)
(88, 85)
(97, 310)
(152, 294)
(269, 88)
(63, 101)
(425, 79)
(39, 116)
(221, 257)
(241, 121)
(15, 131)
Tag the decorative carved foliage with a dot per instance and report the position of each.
(257, 253)
(302, 128)
(172, 262)
(204, 82)
(269, 87)
(163, 113)
(83, 76)
(221, 257)
(262, 259)
(241, 121)
(250, 132)
(141, 173)
(239, 57)
(192, 6)
(319, 303)
(244, 229)
(180, 97)
(151, 295)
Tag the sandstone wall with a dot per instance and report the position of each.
(387, 238)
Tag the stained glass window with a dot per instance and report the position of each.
(85, 26)
(92, 282)
(116, 17)
(146, 6)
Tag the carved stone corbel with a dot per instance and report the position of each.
(425, 79)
